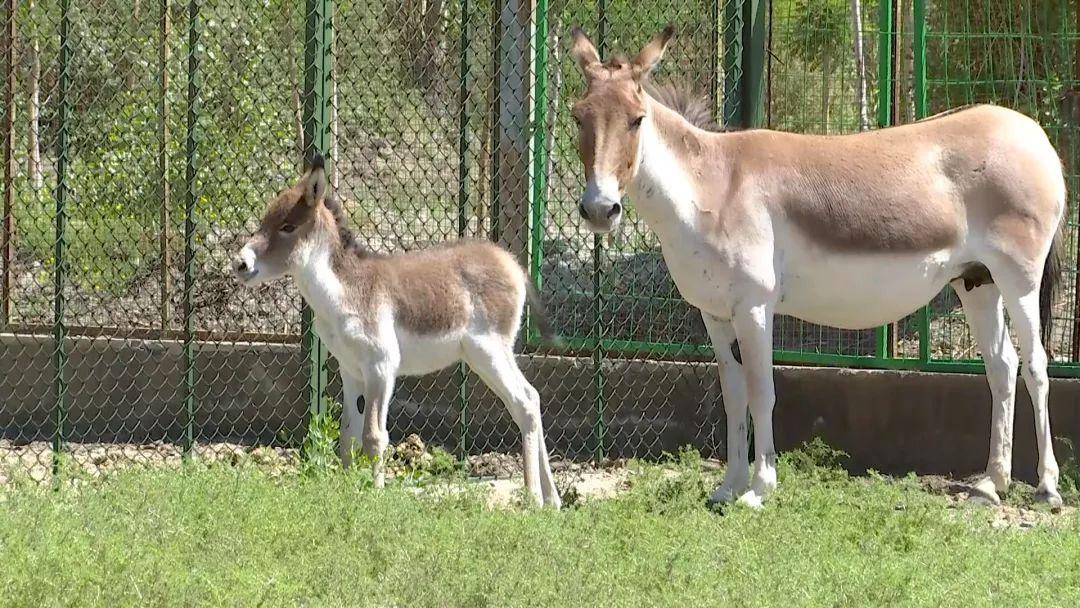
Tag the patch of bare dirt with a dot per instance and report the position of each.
(1003, 516)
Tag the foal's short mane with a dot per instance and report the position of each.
(348, 238)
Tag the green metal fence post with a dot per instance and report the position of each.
(921, 109)
(732, 61)
(495, 208)
(884, 116)
(317, 91)
(540, 153)
(745, 41)
(60, 354)
(165, 275)
(755, 37)
(7, 232)
(599, 382)
(463, 202)
(191, 200)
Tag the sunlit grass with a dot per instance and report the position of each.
(240, 537)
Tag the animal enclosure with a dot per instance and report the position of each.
(142, 139)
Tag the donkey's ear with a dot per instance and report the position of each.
(649, 56)
(315, 182)
(583, 50)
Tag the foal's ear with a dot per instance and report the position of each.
(649, 56)
(315, 182)
(584, 51)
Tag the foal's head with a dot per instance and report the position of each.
(609, 118)
(286, 230)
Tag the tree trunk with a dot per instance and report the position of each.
(423, 26)
(133, 71)
(909, 66)
(298, 113)
(860, 66)
(826, 74)
(33, 142)
(555, 98)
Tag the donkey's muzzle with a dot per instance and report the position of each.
(602, 215)
(243, 265)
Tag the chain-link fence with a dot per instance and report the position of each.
(142, 139)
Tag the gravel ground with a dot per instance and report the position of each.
(499, 473)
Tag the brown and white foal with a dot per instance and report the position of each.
(852, 231)
(405, 314)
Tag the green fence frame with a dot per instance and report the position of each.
(744, 69)
(740, 25)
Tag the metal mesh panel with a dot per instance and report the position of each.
(1022, 55)
(144, 137)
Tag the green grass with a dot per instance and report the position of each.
(239, 537)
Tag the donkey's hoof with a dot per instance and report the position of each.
(752, 500)
(983, 493)
(715, 505)
(1049, 498)
(723, 495)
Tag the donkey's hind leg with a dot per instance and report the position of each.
(986, 317)
(1021, 294)
(493, 360)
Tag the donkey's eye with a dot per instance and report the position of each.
(287, 228)
(636, 122)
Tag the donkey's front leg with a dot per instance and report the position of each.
(378, 389)
(352, 415)
(753, 328)
(733, 385)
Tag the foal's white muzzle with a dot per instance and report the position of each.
(244, 266)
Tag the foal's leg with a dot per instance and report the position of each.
(985, 315)
(352, 416)
(547, 480)
(753, 328)
(378, 389)
(493, 360)
(733, 385)
(1022, 300)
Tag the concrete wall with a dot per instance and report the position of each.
(132, 390)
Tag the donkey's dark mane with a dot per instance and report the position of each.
(684, 100)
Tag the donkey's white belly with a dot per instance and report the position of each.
(425, 354)
(859, 291)
(845, 290)
(417, 355)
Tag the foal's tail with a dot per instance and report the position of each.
(539, 313)
(1051, 282)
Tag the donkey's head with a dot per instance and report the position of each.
(289, 224)
(609, 119)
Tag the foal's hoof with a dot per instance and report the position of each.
(983, 493)
(1049, 498)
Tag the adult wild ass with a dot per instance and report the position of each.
(384, 316)
(851, 231)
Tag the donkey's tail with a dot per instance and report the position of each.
(1051, 282)
(539, 313)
